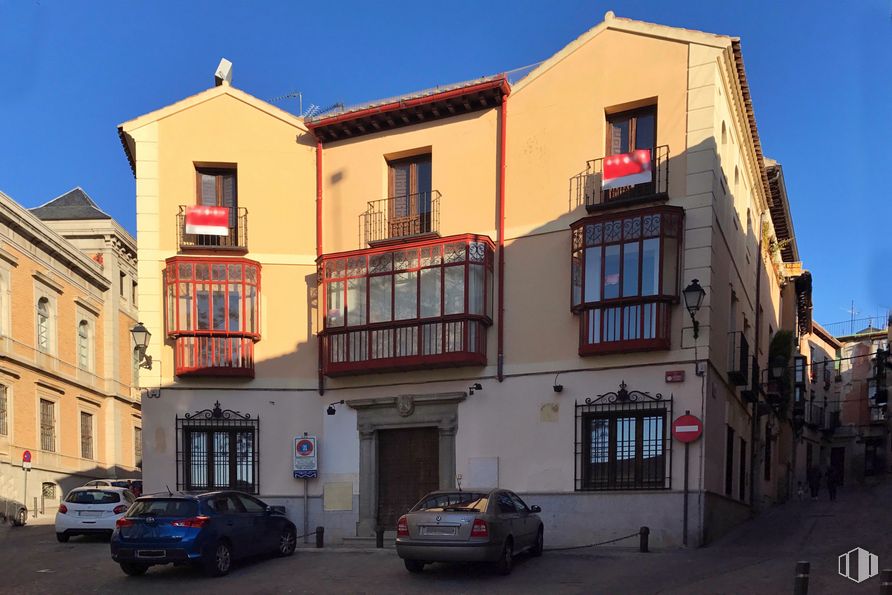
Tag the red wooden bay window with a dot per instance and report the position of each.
(212, 313)
(624, 278)
(423, 304)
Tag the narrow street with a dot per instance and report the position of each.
(757, 558)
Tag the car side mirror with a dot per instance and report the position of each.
(535, 508)
(268, 510)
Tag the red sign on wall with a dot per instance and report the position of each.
(675, 376)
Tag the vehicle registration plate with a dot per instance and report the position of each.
(91, 513)
(438, 530)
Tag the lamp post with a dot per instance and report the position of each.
(141, 337)
(693, 299)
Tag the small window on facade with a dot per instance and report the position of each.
(632, 130)
(624, 450)
(219, 453)
(219, 188)
(137, 447)
(4, 411)
(86, 435)
(47, 425)
(83, 345)
(121, 282)
(409, 204)
(724, 133)
(729, 461)
(43, 324)
(133, 292)
(48, 491)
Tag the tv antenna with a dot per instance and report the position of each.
(294, 94)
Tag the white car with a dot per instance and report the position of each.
(91, 510)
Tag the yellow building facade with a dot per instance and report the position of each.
(67, 389)
(443, 288)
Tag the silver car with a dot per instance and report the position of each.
(468, 526)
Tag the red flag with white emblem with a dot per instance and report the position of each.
(627, 169)
(208, 221)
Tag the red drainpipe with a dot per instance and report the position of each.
(319, 248)
(503, 120)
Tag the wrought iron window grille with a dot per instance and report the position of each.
(218, 449)
(623, 441)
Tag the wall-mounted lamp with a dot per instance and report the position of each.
(473, 387)
(141, 337)
(331, 409)
(555, 386)
(693, 299)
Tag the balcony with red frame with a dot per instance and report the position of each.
(423, 304)
(212, 315)
(624, 277)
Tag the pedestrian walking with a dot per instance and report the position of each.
(832, 481)
(814, 481)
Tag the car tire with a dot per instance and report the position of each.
(219, 560)
(506, 560)
(62, 537)
(414, 566)
(20, 518)
(287, 542)
(539, 546)
(133, 569)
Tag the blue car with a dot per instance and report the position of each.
(206, 530)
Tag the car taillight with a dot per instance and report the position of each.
(63, 509)
(402, 527)
(120, 509)
(479, 528)
(193, 523)
(124, 522)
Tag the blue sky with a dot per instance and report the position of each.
(819, 71)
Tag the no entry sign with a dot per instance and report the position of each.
(686, 428)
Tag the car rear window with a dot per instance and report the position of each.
(93, 497)
(121, 484)
(454, 501)
(164, 507)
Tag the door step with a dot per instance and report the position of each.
(369, 542)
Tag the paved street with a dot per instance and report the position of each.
(757, 558)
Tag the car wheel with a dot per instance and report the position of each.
(539, 547)
(133, 569)
(414, 565)
(20, 518)
(62, 537)
(220, 560)
(506, 561)
(287, 542)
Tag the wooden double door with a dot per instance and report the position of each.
(408, 468)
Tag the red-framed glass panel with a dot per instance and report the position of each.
(420, 304)
(624, 276)
(212, 311)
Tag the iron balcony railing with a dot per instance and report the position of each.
(738, 358)
(235, 240)
(402, 217)
(210, 355)
(587, 185)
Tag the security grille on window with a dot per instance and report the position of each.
(47, 425)
(48, 491)
(4, 415)
(218, 449)
(622, 441)
(86, 436)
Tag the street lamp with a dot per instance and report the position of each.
(141, 337)
(693, 298)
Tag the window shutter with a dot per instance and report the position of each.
(208, 186)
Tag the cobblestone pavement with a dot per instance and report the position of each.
(758, 557)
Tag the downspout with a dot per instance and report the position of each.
(319, 253)
(503, 119)
(754, 418)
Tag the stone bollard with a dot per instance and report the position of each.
(379, 537)
(643, 536)
(320, 536)
(800, 583)
(886, 582)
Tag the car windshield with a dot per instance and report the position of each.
(163, 507)
(121, 484)
(92, 497)
(475, 501)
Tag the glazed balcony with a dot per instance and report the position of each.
(235, 241)
(587, 185)
(398, 218)
(738, 358)
(422, 305)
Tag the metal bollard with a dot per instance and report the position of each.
(320, 536)
(800, 584)
(379, 537)
(643, 535)
(886, 582)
